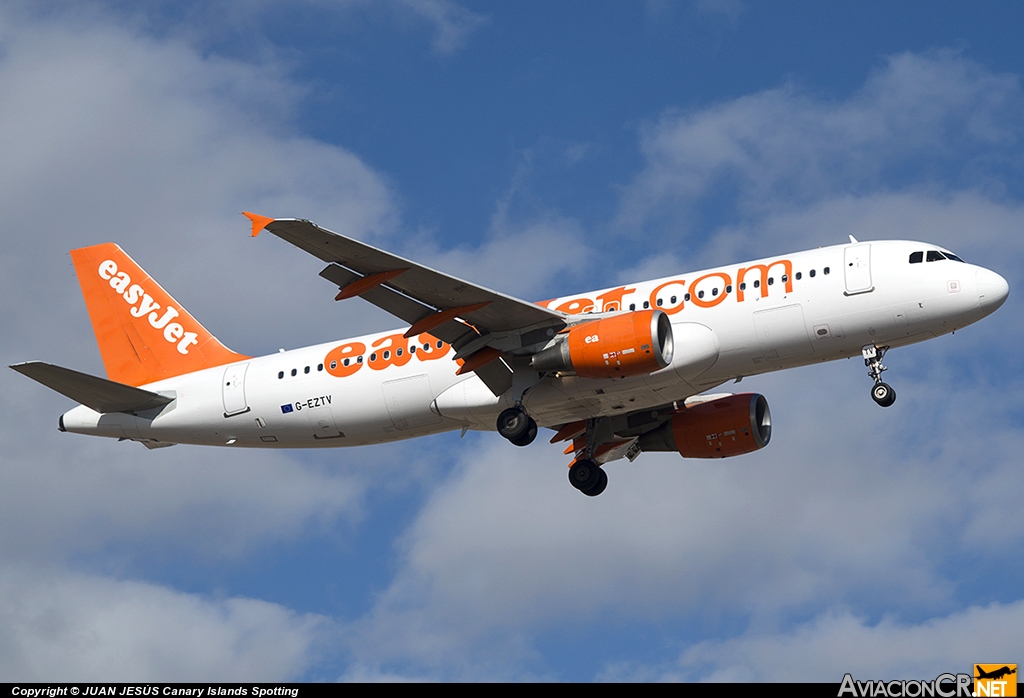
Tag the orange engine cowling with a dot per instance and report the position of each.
(629, 344)
(728, 426)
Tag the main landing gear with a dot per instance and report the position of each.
(882, 393)
(588, 477)
(585, 474)
(517, 426)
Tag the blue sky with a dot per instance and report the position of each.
(540, 149)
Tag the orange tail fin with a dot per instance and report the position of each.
(143, 333)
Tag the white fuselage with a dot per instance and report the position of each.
(728, 322)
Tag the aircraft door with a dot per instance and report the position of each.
(234, 389)
(857, 265)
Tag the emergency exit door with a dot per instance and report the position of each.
(857, 265)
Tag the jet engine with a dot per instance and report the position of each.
(629, 344)
(728, 426)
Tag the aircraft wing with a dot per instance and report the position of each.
(479, 323)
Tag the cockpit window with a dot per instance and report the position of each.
(950, 255)
(935, 256)
(916, 257)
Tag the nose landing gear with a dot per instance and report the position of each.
(882, 393)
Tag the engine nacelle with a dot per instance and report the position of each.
(629, 344)
(728, 426)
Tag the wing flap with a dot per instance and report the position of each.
(96, 393)
(496, 376)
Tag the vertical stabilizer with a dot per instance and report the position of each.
(144, 335)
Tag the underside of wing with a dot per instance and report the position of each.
(481, 324)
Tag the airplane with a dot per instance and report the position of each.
(995, 674)
(614, 372)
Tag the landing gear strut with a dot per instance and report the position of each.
(882, 393)
(586, 474)
(517, 426)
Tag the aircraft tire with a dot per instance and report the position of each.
(883, 394)
(602, 483)
(527, 438)
(513, 423)
(584, 474)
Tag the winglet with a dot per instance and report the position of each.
(258, 222)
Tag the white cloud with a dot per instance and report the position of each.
(785, 147)
(452, 22)
(835, 643)
(60, 626)
(523, 259)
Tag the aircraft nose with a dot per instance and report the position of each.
(992, 289)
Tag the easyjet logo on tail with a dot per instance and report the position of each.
(134, 294)
(144, 335)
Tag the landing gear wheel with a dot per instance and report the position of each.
(513, 424)
(585, 475)
(528, 436)
(602, 482)
(883, 394)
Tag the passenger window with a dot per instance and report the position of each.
(373, 356)
(757, 283)
(771, 280)
(798, 276)
(728, 289)
(714, 291)
(359, 359)
(398, 352)
(934, 256)
(785, 278)
(387, 354)
(672, 300)
(646, 305)
(825, 271)
(412, 349)
(686, 297)
(307, 370)
(295, 372)
(440, 344)
(743, 286)
(334, 364)
(916, 257)
(812, 273)
(319, 367)
(280, 375)
(659, 302)
(700, 294)
(632, 306)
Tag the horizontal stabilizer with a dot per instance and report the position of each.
(96, 393)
